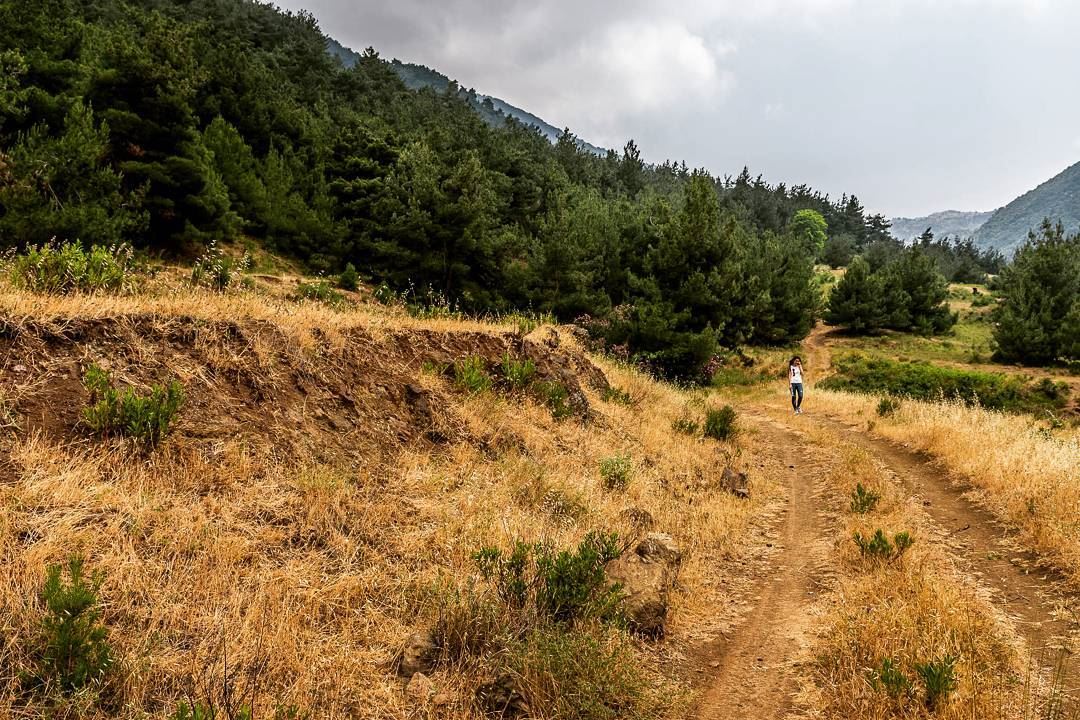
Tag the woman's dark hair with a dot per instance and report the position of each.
(793, 359)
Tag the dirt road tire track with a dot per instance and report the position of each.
(756, 675)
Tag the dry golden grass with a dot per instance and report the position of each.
(1028, 474)
(912, 609)
(307, 571)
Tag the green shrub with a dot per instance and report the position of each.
(923, 381)
(471, 375)
(519, 374)
(576, 676)
(720, 424)
(889, 677)
(880, 548)
(349, 279)
(863, 500)
(218, 271)
(143, 417)
(556, 397)
(982, 300)
(887, 406)
(613, 394)
(562, 585)
(64, 268)
(615, 472)
(320, 290)
(939, 680)
(686, 426)
(75, 650)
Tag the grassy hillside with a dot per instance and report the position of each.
(1057, 199)
(321, 498)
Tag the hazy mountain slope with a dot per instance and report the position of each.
(952, 223)
(492, 109)
(1057, 199)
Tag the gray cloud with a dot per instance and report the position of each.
(915, 105)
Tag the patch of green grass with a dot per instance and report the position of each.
(923, 381)
(556, 397)
(939, 679)
(320, 291)
(518, 374)
(615, 395)
(143, 417)
(471, 375)
(686, 426)
(616, 471)
(68, 267)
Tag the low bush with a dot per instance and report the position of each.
(887, 406)
(471, 375)
(686, 426)
(556, 397)
(574, 675)
(68, 267)
(880, 548)
(349, 279)
(615, 395)
(518, 374)
(863, 500)
(143, 417)
(923, 381)
(320, 291)
(939, 680)
(75, 652)
(615, 472)
(720, 424)
(563, 585)
(889, 677)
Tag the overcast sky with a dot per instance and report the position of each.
(913, 105)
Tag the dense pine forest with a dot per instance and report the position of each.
(172, 124)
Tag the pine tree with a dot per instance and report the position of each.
(1038, 321)
(857, 301)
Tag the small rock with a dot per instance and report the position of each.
(660, 547)
(419, 655)
(736, 483)
(19, 368)
(645, 587)
(714, 664)
(420, 687)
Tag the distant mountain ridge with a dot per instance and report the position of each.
(492, 109)
(1058, 199)
(951, 223)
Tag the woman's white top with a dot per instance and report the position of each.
(796, 374)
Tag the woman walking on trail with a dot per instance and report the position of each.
(795, 383)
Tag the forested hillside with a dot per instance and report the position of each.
(1058, 200)
(172, 124)
(492, 109)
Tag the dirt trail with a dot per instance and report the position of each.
(754, 673)
(1044, 610)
